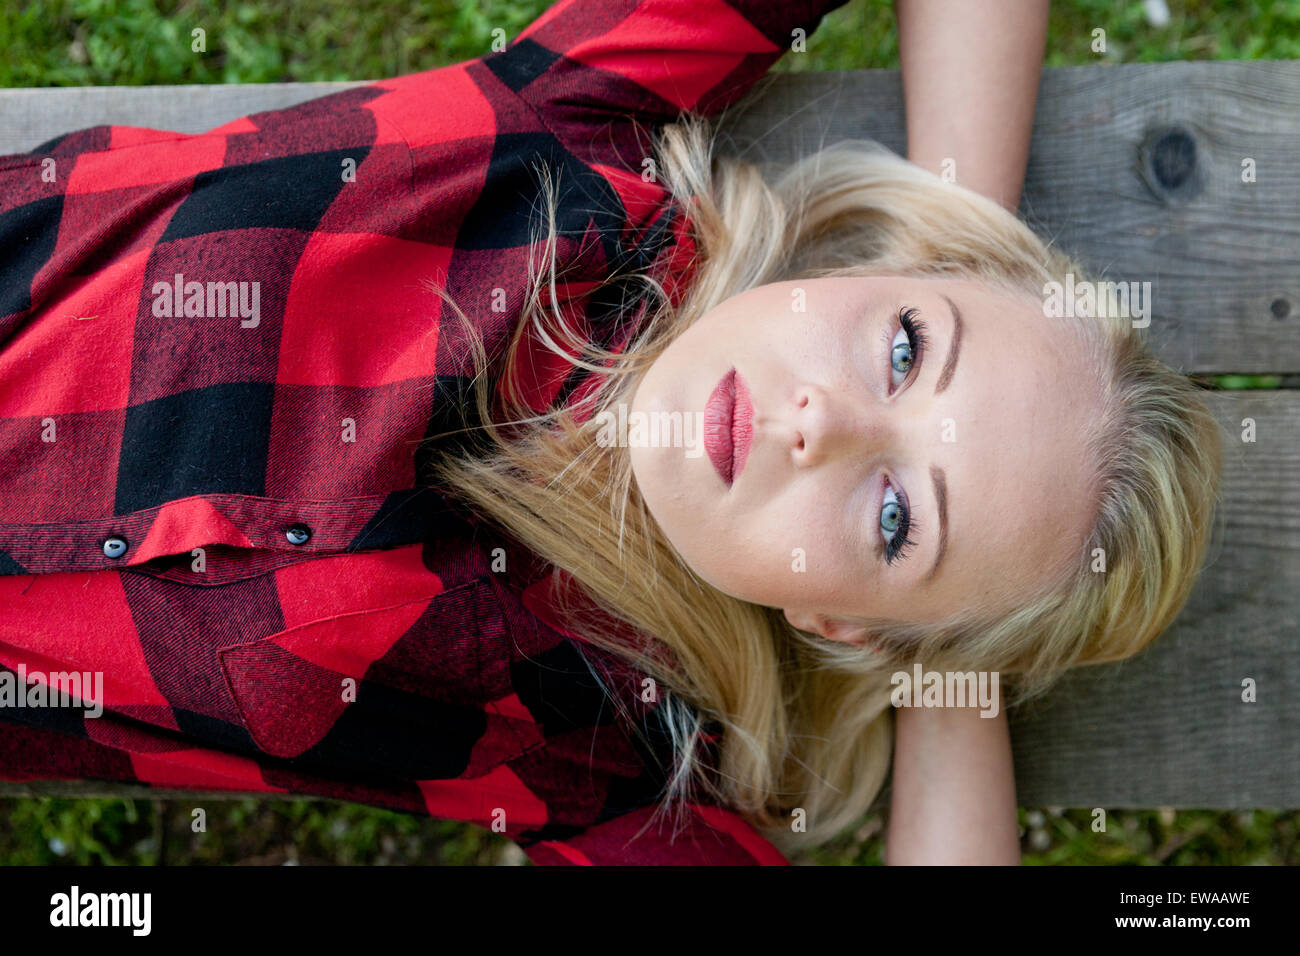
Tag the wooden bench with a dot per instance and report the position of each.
(1138, 170)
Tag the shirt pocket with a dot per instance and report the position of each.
(415, 691)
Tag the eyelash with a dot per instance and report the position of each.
(916, 337)
(899, 546)
(897, 549)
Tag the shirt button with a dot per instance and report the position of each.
(298, 534)
(115, 546)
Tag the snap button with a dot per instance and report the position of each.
(298, 534)
(115, 546)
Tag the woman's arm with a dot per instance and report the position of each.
(953, 799)
(970, 79)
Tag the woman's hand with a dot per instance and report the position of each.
(970, 80)
(953, 799)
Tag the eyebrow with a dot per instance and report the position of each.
(941, 496)
(950, 363)
(937, 476)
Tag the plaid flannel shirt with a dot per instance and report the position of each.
(219, 362)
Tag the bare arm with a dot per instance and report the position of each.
(954, 789)
(970, 80)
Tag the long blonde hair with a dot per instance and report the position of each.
(806, 723)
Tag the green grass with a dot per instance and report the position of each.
(304, 832)
(105, 832)
(146, 42)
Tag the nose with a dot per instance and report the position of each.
(829, 425)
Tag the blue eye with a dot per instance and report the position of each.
(891, 515)
(900, 355)
(895, 522)
(907, 347)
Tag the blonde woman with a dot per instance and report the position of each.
(391, 539)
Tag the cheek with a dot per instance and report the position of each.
(813, 525)
(808, 536)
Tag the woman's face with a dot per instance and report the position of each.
(870, 477)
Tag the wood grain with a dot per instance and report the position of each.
(1222, 255)
(1169, 728)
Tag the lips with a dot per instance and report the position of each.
(728, 426)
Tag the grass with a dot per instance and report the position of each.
(61, 831)
(147, 42)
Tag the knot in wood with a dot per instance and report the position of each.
(1170, 162)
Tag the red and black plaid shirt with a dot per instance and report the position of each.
(219, 360)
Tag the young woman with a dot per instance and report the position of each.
(308, 449)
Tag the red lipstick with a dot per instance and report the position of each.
(728, 426)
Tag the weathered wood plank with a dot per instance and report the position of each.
(1223, 256)
(1168, 728)
(96, 789)
(29, 117)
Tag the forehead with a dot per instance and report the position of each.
(1024, 400)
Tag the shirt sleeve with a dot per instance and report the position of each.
(708, 836)
(587, 65)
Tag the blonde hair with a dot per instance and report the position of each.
(806, 722)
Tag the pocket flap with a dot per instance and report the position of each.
(396, 691)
